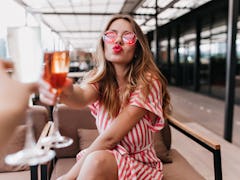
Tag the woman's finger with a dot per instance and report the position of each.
(47, 94)
(46, 100)
(6, 64)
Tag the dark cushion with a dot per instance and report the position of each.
(166, 133)
(162, 143)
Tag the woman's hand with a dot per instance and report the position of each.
(14, 95)
(48, 95)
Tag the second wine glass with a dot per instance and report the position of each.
(25, 49)
(56, 67)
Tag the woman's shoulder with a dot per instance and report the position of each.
(153, 79)
(152, 83)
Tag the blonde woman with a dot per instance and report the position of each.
(128, 97)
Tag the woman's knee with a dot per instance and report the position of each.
(101, 164)
(100, 160)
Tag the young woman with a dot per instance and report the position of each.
(128, 97)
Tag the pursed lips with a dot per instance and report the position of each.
(117, 49)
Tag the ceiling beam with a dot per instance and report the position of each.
(160, 10)
(80, 31)
(91, 14)
(147, 7)
(130, 5)
(170, 5)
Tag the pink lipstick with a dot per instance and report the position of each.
(117, 49)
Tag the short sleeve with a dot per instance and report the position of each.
(152, 103)
(94, 108)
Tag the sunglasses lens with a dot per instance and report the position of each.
(128, 37)
(109, 37)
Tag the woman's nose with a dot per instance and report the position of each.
(119, 40)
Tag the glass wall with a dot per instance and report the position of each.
(168, 63)
(237, 82)
(212, 62)
(213, 58)
(163, 46)
(210, 71)
(187, 58)
(218, 52)
(205, 65)
(173, 61)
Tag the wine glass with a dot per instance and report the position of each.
(56, 67)
(24, 44)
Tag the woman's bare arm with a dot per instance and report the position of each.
(79, 96)
(75, 96)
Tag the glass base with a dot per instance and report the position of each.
(30, 157)
(57, 141)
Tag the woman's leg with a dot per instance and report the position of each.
(99, 165)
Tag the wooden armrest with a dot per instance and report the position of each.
(172, 121)
(51, 129)
(44, 132)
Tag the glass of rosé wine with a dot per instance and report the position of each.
(56, 67)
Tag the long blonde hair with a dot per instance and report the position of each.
(137, 75)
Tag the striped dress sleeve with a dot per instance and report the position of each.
(152, 103)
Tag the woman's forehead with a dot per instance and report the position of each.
(120, 25)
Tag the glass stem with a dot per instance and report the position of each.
(29, 139)
(55, 118)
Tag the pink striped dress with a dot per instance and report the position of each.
(135, 155)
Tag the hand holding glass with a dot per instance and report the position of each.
(55, 72)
